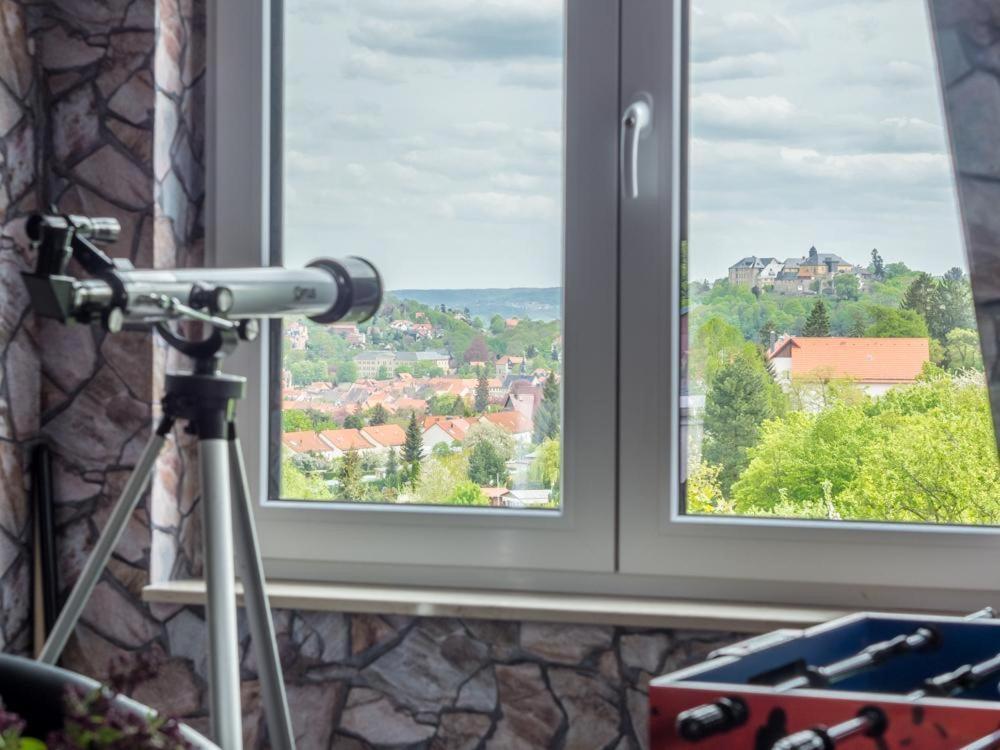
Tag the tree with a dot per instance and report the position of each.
(846, 286)
(921, 296)
(546, 467)
(392, 469)
(952, 306)
(482, 393)
(736, 405)
(477, 351)
(961, 350)
(458, 407)
(349, 475)
(889, 322)
(295, 420)
(877, 265)
(347, 372)
(818, 322)
(497, 325)
(354, 421)
(441, 450)
(487, 467)
(440, 479)
(413, 449)
(954, 274)
(297, 485)
(383, 373)
(468, 493)
(378, 415)
(548, 414)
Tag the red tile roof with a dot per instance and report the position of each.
(305, 442)
(866, 360)
(388, 435)
(346, 440)
(512, 421)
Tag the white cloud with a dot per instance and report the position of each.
(499, 207)
(729, 34)
(376, 66)
(536, 75)
(755, 65)
(746, 116)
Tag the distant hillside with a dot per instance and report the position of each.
(538, 303)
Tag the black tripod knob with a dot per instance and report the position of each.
(711, 718)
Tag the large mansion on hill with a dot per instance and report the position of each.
(805, 275)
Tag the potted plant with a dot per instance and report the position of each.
(47, 708)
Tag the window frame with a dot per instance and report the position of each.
(621, 529)
(240, 217)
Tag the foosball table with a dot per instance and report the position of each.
(869, 680)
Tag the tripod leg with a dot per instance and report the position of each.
(272, 685)
(223, 658)
(91, 573)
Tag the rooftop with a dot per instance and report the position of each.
(871, 360)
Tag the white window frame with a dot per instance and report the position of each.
(621, 529)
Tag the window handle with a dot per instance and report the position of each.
(636, 120)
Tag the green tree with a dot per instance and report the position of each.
(846, 286)
(458, 407)
(952, 306)
(961, 350)
(297, 485)
(378, 415)
(736, 405)
(889, 322)
(354, 421)
(497, 325)
(349, 475)
(921, 296)
(818, 322)
(482, 393)
(441, 450)
(413, 450)
(468, 493)
(548, 414)
(295, 420)
(877, 266)
(392, 469)
(383, 373)
(487, 467)
(546, 467)
(347, 372)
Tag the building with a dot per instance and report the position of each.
(370, 363)
(385, 436)
(349, 332)
(507, 365)
(307, 442)
(874, 364)
(822, 264)
(441, 360)
(297, 335)
(345, 440)
(444, 430)
(747, 271)
(513, 422)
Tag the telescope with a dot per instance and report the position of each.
(119, 295)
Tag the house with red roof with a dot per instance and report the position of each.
(873, 364)
(346, 440)
(307, 442)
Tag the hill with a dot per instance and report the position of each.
(537, 303)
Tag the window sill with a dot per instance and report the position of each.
(498, 605)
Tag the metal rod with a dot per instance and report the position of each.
(251, 570)
(106, 543)
(870, 721)
(41, 490)
(966, 677)
(989, 742)
(223, 655)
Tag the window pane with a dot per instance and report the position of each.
(832, 366)
(427, 137)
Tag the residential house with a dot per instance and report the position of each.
(385, 436)
(345, 440)
(526, 498)
(297, 335)
(446, 430)
(307, 442)
(747, 271)
(349, 332)
(874, 364)
(515, 423)
(508, 364)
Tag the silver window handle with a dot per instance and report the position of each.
(636, 119)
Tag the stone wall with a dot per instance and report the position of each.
(19, 378)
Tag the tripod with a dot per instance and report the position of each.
(205, 399)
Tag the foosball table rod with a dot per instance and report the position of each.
(989, 742)
(870, 722)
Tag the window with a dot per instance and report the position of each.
(436, 152)
(833, 368)
(616, 155)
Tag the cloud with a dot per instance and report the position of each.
(372, 65)
(746, 117)
(535, 75)
(755, 65)
(469, 31)
(716, 36)
(499, 207)
(892, 74)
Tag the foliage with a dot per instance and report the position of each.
(349, 474)
(548, 414)
(354, 421)
(306, 420)
(441, 450)
(477, 351)
(961, 350)
(888, 322)
(877, 266)
(298, 485)
(468, 493)
(347, 372)
(378, 415)
(846, 286)
(546, 466)
(486, 432)
(736, 405)
(413, 450)
(482, 393)
(392, 477)
(818, 322)
(703, 491)
(920, 453)
(306, 372)
(487, 466)
(440, 480)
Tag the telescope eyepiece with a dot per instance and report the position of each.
(98, 229)
(359, 288)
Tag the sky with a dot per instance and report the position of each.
(426, 135)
